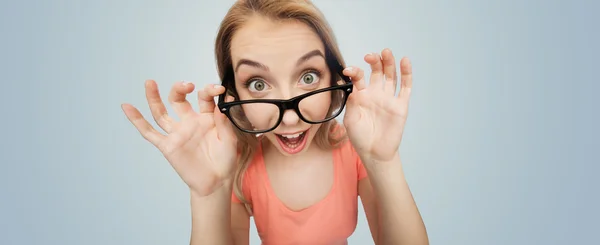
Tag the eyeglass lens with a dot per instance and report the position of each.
(316, 108)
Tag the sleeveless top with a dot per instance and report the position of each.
(330, 221)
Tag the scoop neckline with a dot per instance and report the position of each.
(283, 206)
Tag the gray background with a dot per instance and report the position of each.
(500, 148)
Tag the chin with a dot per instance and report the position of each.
(294, 144)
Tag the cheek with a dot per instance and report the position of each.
(260, 116)
(315, 107)
(253, 116)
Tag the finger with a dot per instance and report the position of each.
(374, 60)
(177, 99)
(357, 76)
(405, 79)
(206, 96)
(157, 107)
(145, 129)
(389, 71)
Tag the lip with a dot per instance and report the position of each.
(297, 132)
(298, 148)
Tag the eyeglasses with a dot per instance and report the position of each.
(263, 115)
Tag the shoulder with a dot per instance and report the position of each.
(346, 153)
(246, 179)
(338, 131)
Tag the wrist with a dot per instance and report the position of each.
(222, 187)
(391, 166)
(369, 159)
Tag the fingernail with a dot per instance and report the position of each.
(349, 68)
(185, 83)
(217, 86)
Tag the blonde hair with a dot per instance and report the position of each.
(303, 11)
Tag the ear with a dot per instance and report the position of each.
(229, 98)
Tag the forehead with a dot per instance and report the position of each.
(266, 40)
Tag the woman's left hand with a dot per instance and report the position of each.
(375, 116)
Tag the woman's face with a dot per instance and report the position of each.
(281, 60)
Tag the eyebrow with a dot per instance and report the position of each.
(258, 65)
(309, 55)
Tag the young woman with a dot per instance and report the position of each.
(271, 148)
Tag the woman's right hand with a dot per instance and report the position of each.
(201, 147)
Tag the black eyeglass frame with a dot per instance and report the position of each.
(292, 103)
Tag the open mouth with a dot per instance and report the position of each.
(292, 143)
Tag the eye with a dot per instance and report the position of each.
(257, 85)
(310, 78)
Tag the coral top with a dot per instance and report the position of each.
(330, 221)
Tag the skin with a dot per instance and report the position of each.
(278, 48)
(302, 179)
(201, 146)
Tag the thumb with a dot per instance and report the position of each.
(352, 100)
(352, 112)
(224, 126)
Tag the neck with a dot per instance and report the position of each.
(273, 155)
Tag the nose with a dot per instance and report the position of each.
(290, 118)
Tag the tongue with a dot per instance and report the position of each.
(291, 141)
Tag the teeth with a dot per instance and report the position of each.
(292, 136)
